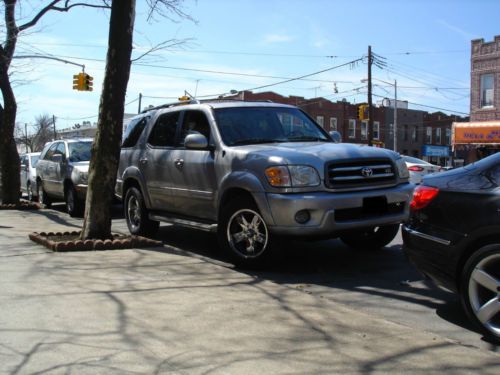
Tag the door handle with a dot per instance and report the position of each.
(143, 160)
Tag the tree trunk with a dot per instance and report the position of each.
(9, 157)
(106, 146)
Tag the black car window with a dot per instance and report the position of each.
(195, 122)
(50, 152)
(80, 151)
(134, 131)
(61, 149)
(164, 130)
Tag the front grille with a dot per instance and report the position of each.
(360, 174)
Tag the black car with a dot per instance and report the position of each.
(453, 236)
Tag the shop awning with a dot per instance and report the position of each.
(475, 133)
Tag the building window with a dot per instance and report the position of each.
(352, 128)
(333, 123)
(320, 120)
(405, 133)
(376, 130)
(364, 130)
(428, 135)
(448, 137)
(438, 136)
(414, 134)
(487, 90)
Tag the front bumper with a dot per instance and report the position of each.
(81, 191)
(333, 213)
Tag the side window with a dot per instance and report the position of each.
(195, 122)
(23, 160)
(134, 131)
(50, 152)
(163, 132)
(61, 149)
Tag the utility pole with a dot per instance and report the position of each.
(26, 135)
(370, 110)
(395, 116)
(140, 100)
(54, 126)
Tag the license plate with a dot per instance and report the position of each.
(375, 205)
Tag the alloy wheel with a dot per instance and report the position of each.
(484, 292)
(247, 233)
(133, 212)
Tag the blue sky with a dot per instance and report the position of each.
(237, 45)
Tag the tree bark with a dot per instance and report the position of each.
(106, 146)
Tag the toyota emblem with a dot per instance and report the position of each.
(366, 172)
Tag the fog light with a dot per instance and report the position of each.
(302, 216)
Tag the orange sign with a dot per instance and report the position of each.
(476, 134)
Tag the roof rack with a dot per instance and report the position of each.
(173, 104)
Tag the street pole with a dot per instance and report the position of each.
(140, 100)
(54, 126)
(395, 115)
(370, 110)
(26, 135)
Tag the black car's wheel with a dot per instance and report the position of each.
(136, 214)
(74, 205)
(43, 198)
(480, 290)
(371, 238)
(244, 235)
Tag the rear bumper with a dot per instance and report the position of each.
(333, 213)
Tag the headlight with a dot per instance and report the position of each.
(82, 177)
(402, 169)
(292, 176)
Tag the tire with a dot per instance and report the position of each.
(30, 192)
(480, 290)
(43, 198)
(244, 236)
(74, 206)
(137, 215)
(371, 238)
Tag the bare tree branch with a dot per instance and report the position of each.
(162, 46)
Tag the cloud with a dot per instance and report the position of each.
(466, 35)
(277, 38)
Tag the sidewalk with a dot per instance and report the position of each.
(146, 311)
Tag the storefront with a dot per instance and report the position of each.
(472, 141)
(439, 155)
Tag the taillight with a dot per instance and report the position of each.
(415, 168)
(422, 196)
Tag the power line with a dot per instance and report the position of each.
(429, 106)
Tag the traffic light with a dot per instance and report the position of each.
(184, 98)
(362, 112)
(78, 81)
(87, 82)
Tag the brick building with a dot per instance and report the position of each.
(481, 136)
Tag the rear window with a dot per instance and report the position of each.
(79, 151)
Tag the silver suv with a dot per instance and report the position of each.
(62, 173)
(254, 172)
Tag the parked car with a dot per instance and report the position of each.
(418, 168)
(254, 171)
(453, 236)
(28, 174)
(62, 173)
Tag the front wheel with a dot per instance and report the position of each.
(137, 216)
(244, 235)
(480, 290)
(74, 205)
(30, 192)
(371, 238)
(43, 198)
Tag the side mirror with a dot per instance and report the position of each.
(57, 158)
(336, 136)
(196, 142)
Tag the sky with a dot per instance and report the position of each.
(240, 45)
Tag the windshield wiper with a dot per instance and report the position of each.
(307, 138)
(252, 141)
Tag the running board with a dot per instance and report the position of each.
(184, 222)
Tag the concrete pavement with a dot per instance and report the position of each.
(161, 310)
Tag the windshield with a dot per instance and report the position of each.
(34, 159)
(79, 151)
(240, 126)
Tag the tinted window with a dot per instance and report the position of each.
(134, 131)
(195, 122)
(79, 151)
(163, 132)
